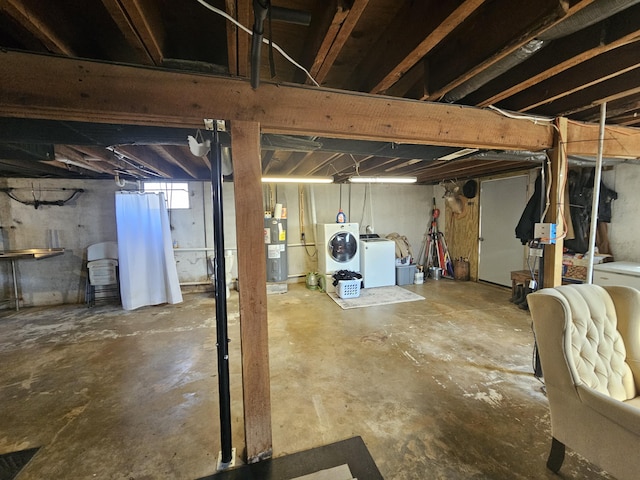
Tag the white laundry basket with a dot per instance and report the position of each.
(348, 288)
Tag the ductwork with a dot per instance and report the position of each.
(590, 15)
(511, 156)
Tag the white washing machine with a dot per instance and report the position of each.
(337, 246)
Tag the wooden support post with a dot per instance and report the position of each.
(252, 276)
(556, 212)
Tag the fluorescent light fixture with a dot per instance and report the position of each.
(297, 179)
(459, 153)
(358, 179)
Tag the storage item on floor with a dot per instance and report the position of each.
(337, 245)
(405, 274)
(348, 288)
(461, 269)
(102, 279)
(435, 272)
(574, 265)
(377, 262)
(617, 273)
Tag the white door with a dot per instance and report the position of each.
(501, 204)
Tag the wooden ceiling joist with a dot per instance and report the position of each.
(174, 155)
(66, 154)
(596, 70)
(341, 36)
(561, 55)
(609, 90)
(137, 27)
(325, 25)
(406, 41)
(232, 37)
(513, 24)
(150, 164)
(30, 21)
(316, 163)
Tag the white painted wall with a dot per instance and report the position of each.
(90, 218)
(624, 230)
(404, 209)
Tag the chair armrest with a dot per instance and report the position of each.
(625, 415)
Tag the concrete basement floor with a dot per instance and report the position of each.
(438, 389)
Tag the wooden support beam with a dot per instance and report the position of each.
(556, 213)
(619, 141)
(252, 275)
(72, 89)
(89, 91)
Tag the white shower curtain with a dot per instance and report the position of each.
(148, 274)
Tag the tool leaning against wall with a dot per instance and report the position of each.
(434, 254)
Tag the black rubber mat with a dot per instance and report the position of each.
(12, 463)
(352, 452)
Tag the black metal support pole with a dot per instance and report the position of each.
(215, 157)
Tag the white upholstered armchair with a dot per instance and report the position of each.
(589, 343)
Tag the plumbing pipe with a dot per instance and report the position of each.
(260, 9)
(596, 193)
(288, 15)
(314, 218)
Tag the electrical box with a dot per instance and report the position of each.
(545, 232)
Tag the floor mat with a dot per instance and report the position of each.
(352, 453)
(370, 297)
(12, 463)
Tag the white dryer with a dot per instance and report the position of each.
(337, 246)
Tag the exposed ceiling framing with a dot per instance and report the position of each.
(547, 58)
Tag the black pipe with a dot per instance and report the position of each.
(260, 9)
(288, 15)
(215, 158)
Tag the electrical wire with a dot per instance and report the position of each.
(535, 120)
(264, 40)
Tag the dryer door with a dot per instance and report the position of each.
(342, 247)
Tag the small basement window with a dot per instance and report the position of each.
(176, 194)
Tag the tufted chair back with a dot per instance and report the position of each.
(597, 354)
(589, 343)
